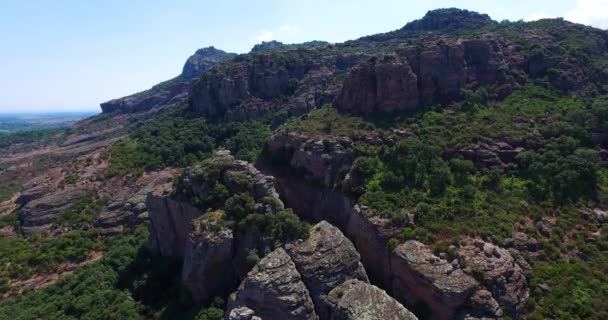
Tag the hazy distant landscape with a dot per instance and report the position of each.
(13, 122)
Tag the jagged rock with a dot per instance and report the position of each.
(207, 271)
(267, 45)
(202, 60)
(325, 260)
(39, 186)
(354, 300)
(420, 275)
(238, 176)
(502, 276)
(274, 290)
(39, 215)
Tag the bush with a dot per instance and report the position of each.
(239, 206)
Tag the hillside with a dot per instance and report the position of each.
(451, 169)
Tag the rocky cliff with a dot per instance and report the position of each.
(295, 281)
(171, 91)
(434, 60)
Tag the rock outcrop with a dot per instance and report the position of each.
(429, 73)
(354, 300)
(245, 89)
(318, 278)
(385, 83)
(40, 214)
(274, 290)
(487, 155)
(501, 275)
(214, 254)
(171, 91)
(202, 60)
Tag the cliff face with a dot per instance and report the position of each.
(431, 73)
(251, 85)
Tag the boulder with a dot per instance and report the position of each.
(274, 290)
(325, 260)
(354, 300)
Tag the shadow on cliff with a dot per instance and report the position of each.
(155, 282)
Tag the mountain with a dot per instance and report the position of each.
(454, 168)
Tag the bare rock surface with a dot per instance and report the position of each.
(325, 260)
(274, 290)
(354, 300)
(40, 214)
(502, 276)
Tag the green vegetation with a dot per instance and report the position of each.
(130, 282)
(175, 139)
(8, 220)
(82, 211)
(559, 172)
(23, 257)
(327, 121)
(577, 289)
(39, 136)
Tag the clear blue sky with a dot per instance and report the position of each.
(59, 55)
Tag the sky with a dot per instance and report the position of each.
(71, 55)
